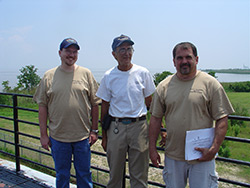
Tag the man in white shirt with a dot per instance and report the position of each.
(126, 92)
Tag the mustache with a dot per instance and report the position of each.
(185, 64)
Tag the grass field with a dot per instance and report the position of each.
(240, 98)
(239, 151)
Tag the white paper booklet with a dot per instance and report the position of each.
(201, 138)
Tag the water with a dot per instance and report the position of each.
(11, 76)
(221, 77)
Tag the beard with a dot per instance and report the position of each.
(185, 68)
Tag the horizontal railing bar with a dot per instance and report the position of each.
(29, 136)
(7, 142)
(7, 130)
(234, 182)
(98, 153)
(36, 150)
(16, 94)
(7, 118)
(243, 118)
(27, 109)
(160, 148)
(160, 166)
(245, 140)
(235, 161)
(6, 153)
(100, 169)
(156, 184)
(28, 122)
(1, 93)
(5, 106)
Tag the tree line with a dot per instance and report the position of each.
(29, 79)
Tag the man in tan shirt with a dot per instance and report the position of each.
(67, 101)
(189, 100)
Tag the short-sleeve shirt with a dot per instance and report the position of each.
(126, 91)
(68, 97)
(188, 105)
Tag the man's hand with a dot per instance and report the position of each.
(45, 142)
(154, 130)
(155, 157)
(163, 139)
(220, 131)
(207, 154)
(104, 142)
(92, 138)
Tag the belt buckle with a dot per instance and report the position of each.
(126, 121)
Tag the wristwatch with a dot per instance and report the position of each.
(95, 131)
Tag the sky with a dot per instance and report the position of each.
(32, 30)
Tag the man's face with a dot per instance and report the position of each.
(185, 62)
(123, 54)
(69, 55)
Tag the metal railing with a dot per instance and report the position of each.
(18, 145)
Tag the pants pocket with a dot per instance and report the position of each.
(167, 177)
(213, 181)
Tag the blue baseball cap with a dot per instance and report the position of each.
(120, 40)
(68, 42)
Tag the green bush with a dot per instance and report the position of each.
(5, 100)
(224, 150)
(240, 111)
(227, 152)
(158, 77)
(239, 86)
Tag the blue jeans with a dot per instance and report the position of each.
(62, 155)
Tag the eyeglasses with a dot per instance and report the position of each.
(68, 52)
(124, 50)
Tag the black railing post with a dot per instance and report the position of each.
(124, 176)
(15, 117)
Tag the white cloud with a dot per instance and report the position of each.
(16, 38)
(23, 30)
(16, 34)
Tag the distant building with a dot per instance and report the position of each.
(245, 67)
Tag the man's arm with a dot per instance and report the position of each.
(154, 130)
(219, 135)
(95, 115)
(104, 111)
(148, 101)
(44, 138)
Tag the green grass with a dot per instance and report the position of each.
(238, 150)
(234, 172)
(240, 98)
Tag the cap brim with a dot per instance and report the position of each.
(128, 41)
(77, 46)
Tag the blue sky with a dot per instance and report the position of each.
(31, 31)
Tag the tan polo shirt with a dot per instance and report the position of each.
(68, 97)
(188, 105)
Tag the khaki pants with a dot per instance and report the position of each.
(176, 173)
(131, 139)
